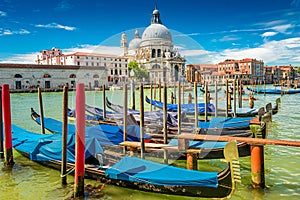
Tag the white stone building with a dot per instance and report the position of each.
(116, 66)
(52, 77)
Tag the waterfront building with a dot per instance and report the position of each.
(116, 66)
(201, 73)
(277, 74)
(249, 70)
(155, 52)
(27, 77)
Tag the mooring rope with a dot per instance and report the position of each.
(68, 172)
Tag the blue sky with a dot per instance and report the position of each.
(205, 31)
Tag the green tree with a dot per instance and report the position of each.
(139, 72)
(132, 65)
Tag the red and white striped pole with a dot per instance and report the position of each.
(80, 141)
(9, 161)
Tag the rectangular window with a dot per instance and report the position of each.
(87, 63)
(120, 65)
(78, 63)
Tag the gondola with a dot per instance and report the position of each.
(187, 108)
(240, 112)
(274, 91)
(129, 172)
(152, 116)
(207, 150)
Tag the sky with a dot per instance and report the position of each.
(204, 31)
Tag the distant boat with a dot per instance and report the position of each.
(188, 108)
(274, 91)
(115, 87)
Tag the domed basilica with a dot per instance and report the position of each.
(155, 52)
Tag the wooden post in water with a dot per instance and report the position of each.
(206, 102)
(1, 127)
(257, 166)
(240, 93)
(41, 110)
(227, 99)
(179, 108)
(151, 96)
(174, 92)
(234, 98)
(142, 121)
(133, 95)
(80, 141)
(165, 114)
(159, 91)
(64, 135)
(9, 160)
(191, 159)
(172, 98)
(103, 101)
(196, 104)
(125, 106)
(216, 99)
(165, 118)
(190, 98)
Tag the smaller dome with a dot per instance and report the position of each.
(134, 43)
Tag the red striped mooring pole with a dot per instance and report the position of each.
(9, 161)
(80, 141)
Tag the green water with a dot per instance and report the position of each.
(28, 180)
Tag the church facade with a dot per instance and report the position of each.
(155, 52)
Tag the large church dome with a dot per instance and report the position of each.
(156, 31)
(156, 34)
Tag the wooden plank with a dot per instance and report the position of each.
(147, 145)
(254, 141)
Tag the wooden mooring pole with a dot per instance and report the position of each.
(132, 95)
(165, 119)
(125, 104)
(196, 104)
(80, 141)
(64, 135)
(9, 160)
(142, 122)
(103, 101)
(1, 127)
(41, 110)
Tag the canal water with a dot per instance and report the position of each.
(29, 180)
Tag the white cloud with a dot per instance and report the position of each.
(2, 13)
(21, 58)
(55, 26)
(269, 34)
(282, 52)
(282, 28)
(228, 38)
(10, 32)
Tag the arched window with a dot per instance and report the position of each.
(47, 76)
(158, 53)
(156, 66)
(153, 53)
(72, 76)
(96, 76)
(18, 76)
